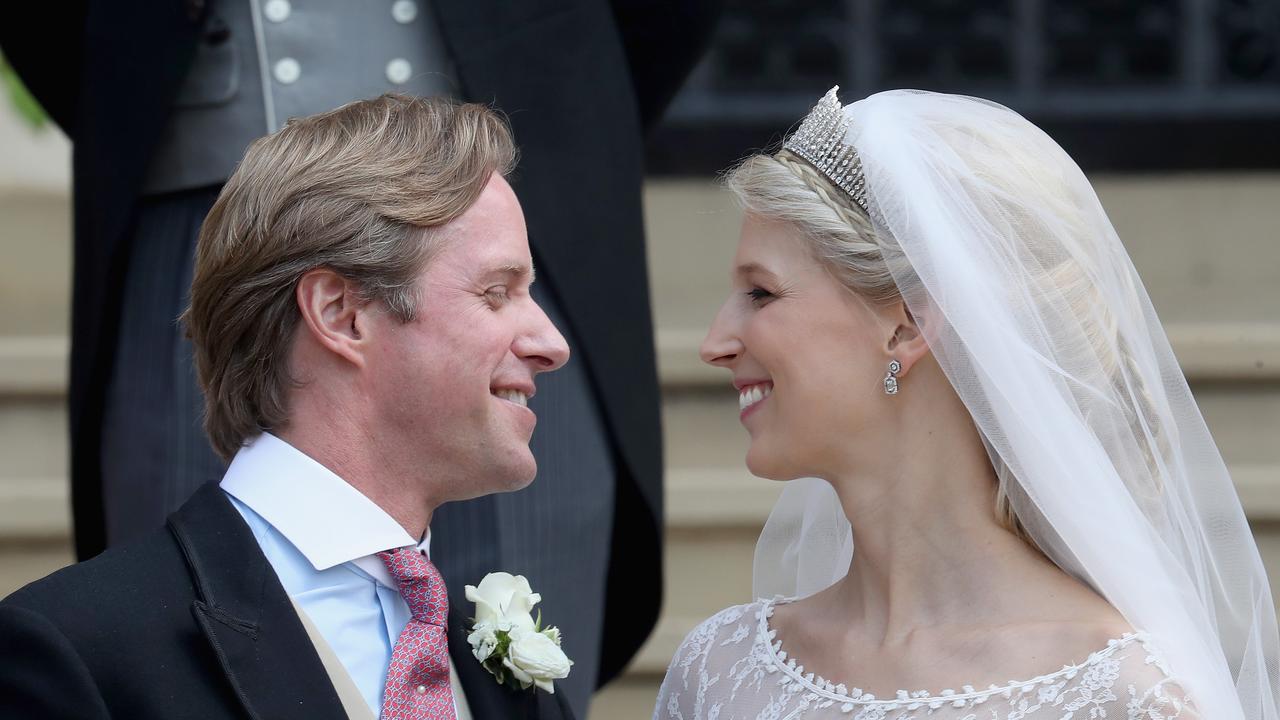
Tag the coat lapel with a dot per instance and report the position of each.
(485, 696)
(247, 616)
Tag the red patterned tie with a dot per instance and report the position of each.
(418, 678)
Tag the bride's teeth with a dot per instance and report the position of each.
(751, 395)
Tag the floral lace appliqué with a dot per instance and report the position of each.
(733, 667)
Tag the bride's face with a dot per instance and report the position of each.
(808, 357)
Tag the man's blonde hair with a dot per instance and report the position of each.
(357, 190)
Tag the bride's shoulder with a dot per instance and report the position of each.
(731, 620)
(730, 627)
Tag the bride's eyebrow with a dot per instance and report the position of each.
(753, 268)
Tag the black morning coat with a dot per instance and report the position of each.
(191, 622)
(580, 81)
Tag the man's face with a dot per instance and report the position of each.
(451, 386)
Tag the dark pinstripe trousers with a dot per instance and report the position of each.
(155, 454)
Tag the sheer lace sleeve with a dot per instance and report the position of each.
(690, 689)
(1151, 693)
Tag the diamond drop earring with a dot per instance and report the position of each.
(891, 380)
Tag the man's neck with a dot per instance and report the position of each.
(354, 459)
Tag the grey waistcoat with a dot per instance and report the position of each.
(261, 62)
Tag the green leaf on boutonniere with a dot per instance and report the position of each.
(494, 664)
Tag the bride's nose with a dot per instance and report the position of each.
(722, 345)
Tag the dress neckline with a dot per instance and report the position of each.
(792, 671)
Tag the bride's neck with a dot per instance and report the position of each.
(928, 549)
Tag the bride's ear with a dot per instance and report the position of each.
(906, 343)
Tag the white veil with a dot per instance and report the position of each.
(1040, 322)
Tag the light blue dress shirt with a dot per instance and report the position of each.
(320, 535)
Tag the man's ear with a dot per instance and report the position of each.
(906, 343)
(332, 311)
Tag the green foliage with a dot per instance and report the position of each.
(494, 662)
(20, 97)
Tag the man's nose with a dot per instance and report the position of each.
(722, 345)
(543, 343)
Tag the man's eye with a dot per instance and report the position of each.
(758, 295)
(497, 295)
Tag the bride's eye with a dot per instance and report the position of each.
(759, 296)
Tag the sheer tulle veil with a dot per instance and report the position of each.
(1036, 314)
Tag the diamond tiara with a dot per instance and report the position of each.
(820, 142)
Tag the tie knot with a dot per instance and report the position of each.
(421, 584)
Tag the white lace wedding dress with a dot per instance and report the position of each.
(732, 667)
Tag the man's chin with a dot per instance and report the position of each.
(499, 480)
(520, 474)
(506, 467)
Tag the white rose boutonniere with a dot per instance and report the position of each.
(507, 641)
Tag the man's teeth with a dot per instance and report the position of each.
(753, 394)
(514, 396)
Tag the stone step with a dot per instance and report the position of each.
(35, 277)
(630, 697)
(34, 366)
(33, 438)
(35, 159)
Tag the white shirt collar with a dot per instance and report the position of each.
(325, 518)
